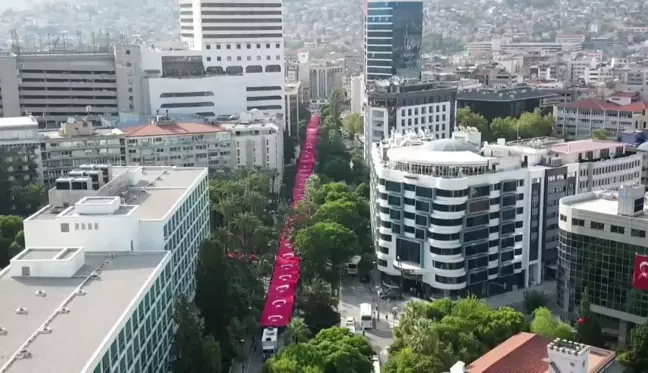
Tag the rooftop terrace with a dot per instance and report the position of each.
(159, 189)
(61, 312)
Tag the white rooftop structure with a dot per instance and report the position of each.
(97, 264)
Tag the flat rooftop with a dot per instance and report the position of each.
(170, 184)
(18, 122)
(580, 146)
(505, 95)
(600, 202)
(91, 318)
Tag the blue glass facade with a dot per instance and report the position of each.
(393, 37)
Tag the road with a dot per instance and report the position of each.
(352, 295)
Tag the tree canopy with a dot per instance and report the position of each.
(635, 358)
(547, 325)
(332, 350)
(528, 125)
(588, 329)
(435, 335)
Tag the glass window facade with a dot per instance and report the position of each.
(603, 267)
(144, 342)
(393, 37)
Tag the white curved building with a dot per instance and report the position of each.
(447, 220)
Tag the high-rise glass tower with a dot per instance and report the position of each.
(393, 37)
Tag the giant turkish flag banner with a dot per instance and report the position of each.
(640, 278)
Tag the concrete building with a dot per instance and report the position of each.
(600, 235)
(356, 94)
(564, 169)
(393, 38)
(294, 97)
(53, 87)
(531, 353)
(239, 45)
(448, 221)
(398, 105)
(324, 78)
(113, 249)
(580, 119)
(502, 103)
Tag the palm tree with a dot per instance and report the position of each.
(228, 208)
(245, 226)
(297, 331)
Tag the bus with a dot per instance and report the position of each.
(366, 316)
(352, 265)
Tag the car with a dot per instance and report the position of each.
(392, 293)
(349, 323)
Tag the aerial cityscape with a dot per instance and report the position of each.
(269, 186)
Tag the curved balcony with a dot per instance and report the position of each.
(382, 202)
(450, 272)
(493, 208)
(495, 221)
(456, 268)
(383, 256)
(384, 243)
(493, 236)
(444, 244)
(384, 230)
(450, 286)
(409, 222)
(409, 208)
(493, 264)
(450, 200)
(448, 214)
(381, 188)
(447, 255)
(494, 193)
(409, 194)
(433, 228)
(493, 250)
(384, 217)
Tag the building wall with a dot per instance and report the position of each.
(577, 124)
(456, 257)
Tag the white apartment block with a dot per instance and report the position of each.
(395, 106)
(93, 290)
(356, 94)
(239, 45)
(580, 119)
(449, 221)
(576, 68)
(324, 78)
(505, 45)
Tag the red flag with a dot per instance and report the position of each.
(640, 278)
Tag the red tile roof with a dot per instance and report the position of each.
(625, 94)
(527, 353)
(599, 104)
(177, 129)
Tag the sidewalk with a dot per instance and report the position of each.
(516, 297)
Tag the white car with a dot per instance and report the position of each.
(349, 323)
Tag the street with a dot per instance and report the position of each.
(353, 294)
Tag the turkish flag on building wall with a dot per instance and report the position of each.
(640, 278)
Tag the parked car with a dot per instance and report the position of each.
(392, 293)
(349, 323)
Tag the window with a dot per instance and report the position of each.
(578, 222)
(65, 227)
(563, 217)
(382, 263)
(597, 225)
(617, 229)
(638, 233)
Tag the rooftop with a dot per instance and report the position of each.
(18, 122)
(436, 152)
(599, 202)
(91, 317)
(155, 195)
(503, 95)
(603, 105)
(527, 352)
(580, 146)
(173, 128)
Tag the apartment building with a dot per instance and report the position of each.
(505, 45)
(53, 87)
(448, 221)
(602, 241)
(502, 103)
(580, 119)
(398, 105)
(294, 98)
(94, 288)
(563, 169)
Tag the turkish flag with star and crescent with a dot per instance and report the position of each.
(640, 278)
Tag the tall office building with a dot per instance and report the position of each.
(393, 37)
(447, 220)
(236, 38)
(94, 288)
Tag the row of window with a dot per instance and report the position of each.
(601, 227)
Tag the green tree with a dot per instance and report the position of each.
(332, 350)
(12, 239)
(469, 119)
(588, 329)
(324, 248)
(533, 300)
(354, 125)
(318, 305)
(505, 128)
(635, 358)
(547, 325)
(408, 361)
(297, 331)
(192, 352)
(601, 134)
(535, 125)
